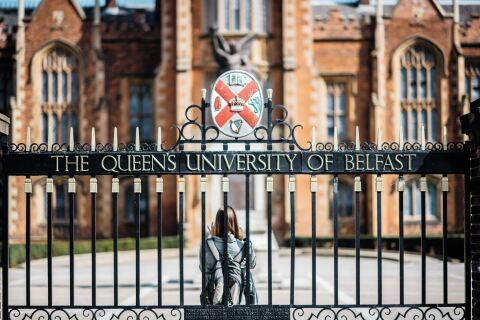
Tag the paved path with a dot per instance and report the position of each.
(281, 277)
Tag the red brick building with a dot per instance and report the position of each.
(400, 64)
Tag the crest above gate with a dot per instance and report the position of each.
(236, 103)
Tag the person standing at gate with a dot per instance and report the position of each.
(237, 265)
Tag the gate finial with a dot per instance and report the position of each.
(379, 139)
(71, 142)
(357, 139)
(49, 139)
(28, 139)
(204, 94)
(137, 139)
(93, 143)
(400, 138)
(335, 138)
(159, 135)
(269, 94)
(314, 140)
(115, 139)
(423, 138)
(444, 137)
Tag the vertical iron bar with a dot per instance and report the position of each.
(93, 214)
(71, 231)
(357, 245)
(115, 244)
(225, 245)
(269, 244)
(180, 232)
(401, 240)
(159, 247)
(49, 246)
(467, 249)
(292, 246)
(335, 240)
(379, 242)
(5, 230)
(445, 242)
(137, 247)
(203, 147)
(423, 240)
(27, 246)
(314, 246)
(247, 239)
(204, 239)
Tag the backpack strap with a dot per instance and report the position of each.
(241, 253)
(213, 249)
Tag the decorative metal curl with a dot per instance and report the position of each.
(381, 313)
(50, 313)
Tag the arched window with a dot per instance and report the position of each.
(59, 94)
(418, 93)
(141, 113)
(412, 198)
(337, 109)
(472, 81)
(236, 16)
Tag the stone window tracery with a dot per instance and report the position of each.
(418, 93)
(337, 109)
(141, 112)
(236, 16)
(59, 94)
(346, 204)
(472, 81)
(412, 197)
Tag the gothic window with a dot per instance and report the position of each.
(5, 87)
(236, 16)
(337, 109)
(412, 198)
(418, 93)
(472, 81)
(59, 94)
(141, 114)
(345, 199)
(129, 204)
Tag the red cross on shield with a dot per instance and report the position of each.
(236, 103)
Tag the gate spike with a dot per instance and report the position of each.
(400, 138)
(423, 138)
(204, 94)
(357, 139)
(314, 140)
(269, 94)
(28, 139)
(159, 137)
(335, 138)
(444, 137)
(49, 139)
(379, 139)
(115, 139)
(137, 139)
(71, 144)
(93, 143)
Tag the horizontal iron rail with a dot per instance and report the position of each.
(235, 162)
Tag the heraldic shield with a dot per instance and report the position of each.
(236, 103)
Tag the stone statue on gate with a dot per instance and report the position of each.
(232, 55)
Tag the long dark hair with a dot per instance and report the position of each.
(233, 226)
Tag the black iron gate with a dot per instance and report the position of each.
(282, 154)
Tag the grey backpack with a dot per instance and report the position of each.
(216, 283)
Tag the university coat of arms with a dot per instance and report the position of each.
(236, 103)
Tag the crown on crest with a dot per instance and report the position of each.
(236, 104)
